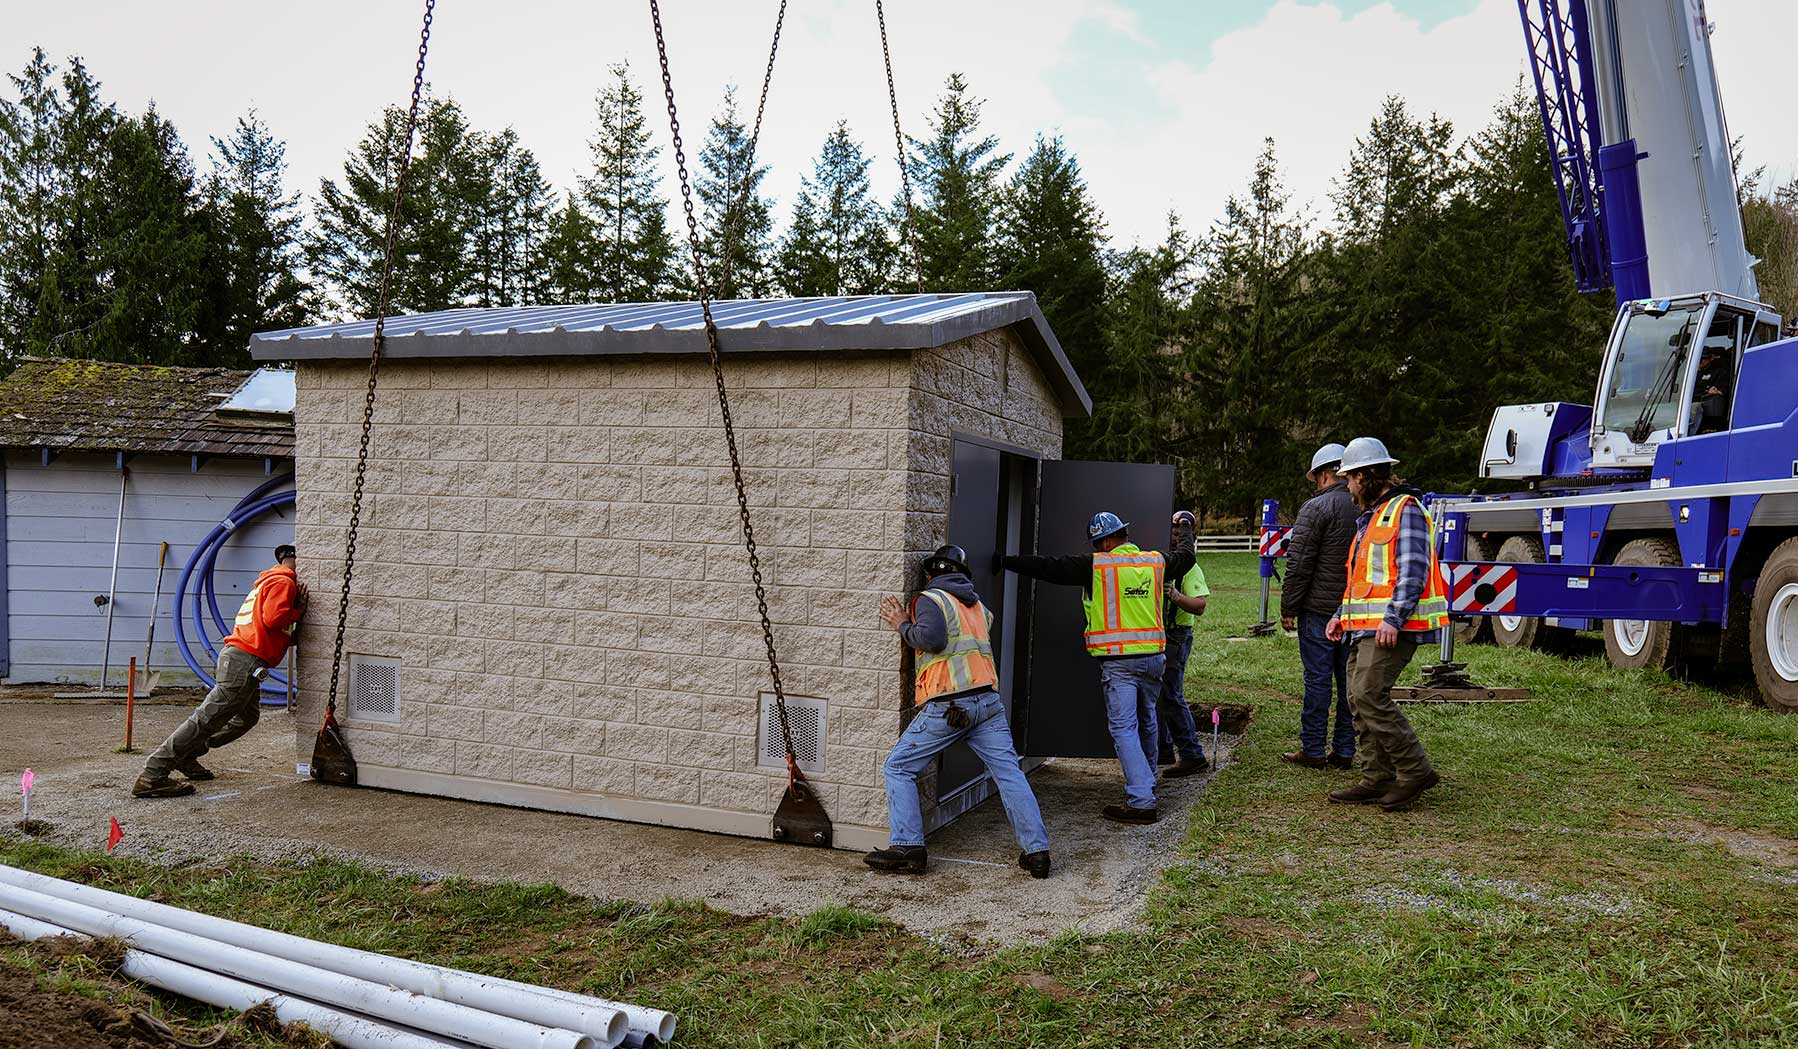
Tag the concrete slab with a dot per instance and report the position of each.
(257, 807)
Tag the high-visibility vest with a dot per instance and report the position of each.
(1123, 604)
(1190, 585)
(1373, 573)
(966, 661)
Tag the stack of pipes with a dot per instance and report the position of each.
(359, 999)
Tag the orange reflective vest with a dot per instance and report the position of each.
(1124, 603)
(966, 661)
(1373, 574)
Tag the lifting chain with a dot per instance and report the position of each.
(737, 208)
(911, 222)
(794, 776)
(374, 358)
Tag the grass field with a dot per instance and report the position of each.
(1615, 864)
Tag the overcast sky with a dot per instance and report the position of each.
(1164, 101)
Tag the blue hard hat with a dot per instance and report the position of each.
(1104, 523)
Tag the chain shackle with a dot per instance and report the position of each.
(374, 357)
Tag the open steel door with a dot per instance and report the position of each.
(1064, 716)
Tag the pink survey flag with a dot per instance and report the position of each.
(1214, 715)
(26, 781)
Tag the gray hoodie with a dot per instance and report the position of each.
(927, 632)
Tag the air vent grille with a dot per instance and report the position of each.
(374, 688)
(808, 718)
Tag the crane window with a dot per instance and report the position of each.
(1714, 388)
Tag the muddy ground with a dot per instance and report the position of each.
(974, 895)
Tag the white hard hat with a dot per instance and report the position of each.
(1329, 453)
(1365, 451)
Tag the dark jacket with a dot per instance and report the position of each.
(1317, 553)
(927, 632)
(1077, 569)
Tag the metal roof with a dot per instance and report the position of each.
(62, 404)
(842, 323)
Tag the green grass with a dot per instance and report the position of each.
(1571, 883)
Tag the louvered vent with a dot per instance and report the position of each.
(374, 688)
(807, 718)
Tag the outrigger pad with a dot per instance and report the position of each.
(331, 758)
(800, 818)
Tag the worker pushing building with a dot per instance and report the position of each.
(1394, 601)
(265, 624)
(1125, 631)
(1181, 750)
(956, 693)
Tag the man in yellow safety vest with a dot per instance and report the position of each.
(1125, 631)
(1394, 601)
(956, 692)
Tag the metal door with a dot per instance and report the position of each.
(1064, 715)
(978, 517)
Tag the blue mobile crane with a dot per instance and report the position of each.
(1665, 514)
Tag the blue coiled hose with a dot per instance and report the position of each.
(197, 575)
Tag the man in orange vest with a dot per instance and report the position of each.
(265, 624)
(1394, 601)
(956, 693)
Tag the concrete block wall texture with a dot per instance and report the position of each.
(551, 548)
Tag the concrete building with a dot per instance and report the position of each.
(552, 602)
(168, 452)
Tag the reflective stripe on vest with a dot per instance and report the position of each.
(246, 612)
(1124, 603)
(966, 661)
(1372, 570)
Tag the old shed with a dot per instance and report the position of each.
(90, 442)
(552, 603)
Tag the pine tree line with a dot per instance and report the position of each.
(1436, 288)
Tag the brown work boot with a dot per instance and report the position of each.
(146, 787)
(1299, 757)
(1131, 814)
(1403, 794)
(1037, 863)
(1186, 767)
(1340, 761)
(192, 769)
(1359, 794)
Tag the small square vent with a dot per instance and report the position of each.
(808, 719)
(374, 688)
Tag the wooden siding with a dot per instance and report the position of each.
(60, 520)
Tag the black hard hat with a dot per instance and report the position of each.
(284, 551)
(946, 559)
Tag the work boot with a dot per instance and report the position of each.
(1359, 794)
(1131, 814)
(898, 859)
(1341, 761)
(192, 769)
(1187, 767)
(1299, 757)
(148, 787)
(1037, 863)
(1402, 795)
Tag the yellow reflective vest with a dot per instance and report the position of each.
(1124, 602)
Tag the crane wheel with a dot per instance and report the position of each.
(1644, 644)
(1525, 631)
(1773, 629)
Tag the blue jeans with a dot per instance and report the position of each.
(989, 736)
(1132, 686)
(1324, 661)
(1177, 725)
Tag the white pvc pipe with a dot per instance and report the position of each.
(350, 1031)
(606, 1022)
(363, 996)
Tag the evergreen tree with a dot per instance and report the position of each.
(727, 210)
(569, 250)
(1049, 239)
(510, 204)
(70, 303)
(837, 242)
(30, 182)
(957, 173)
(432, 268)
(255, 229)
(634, 256)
